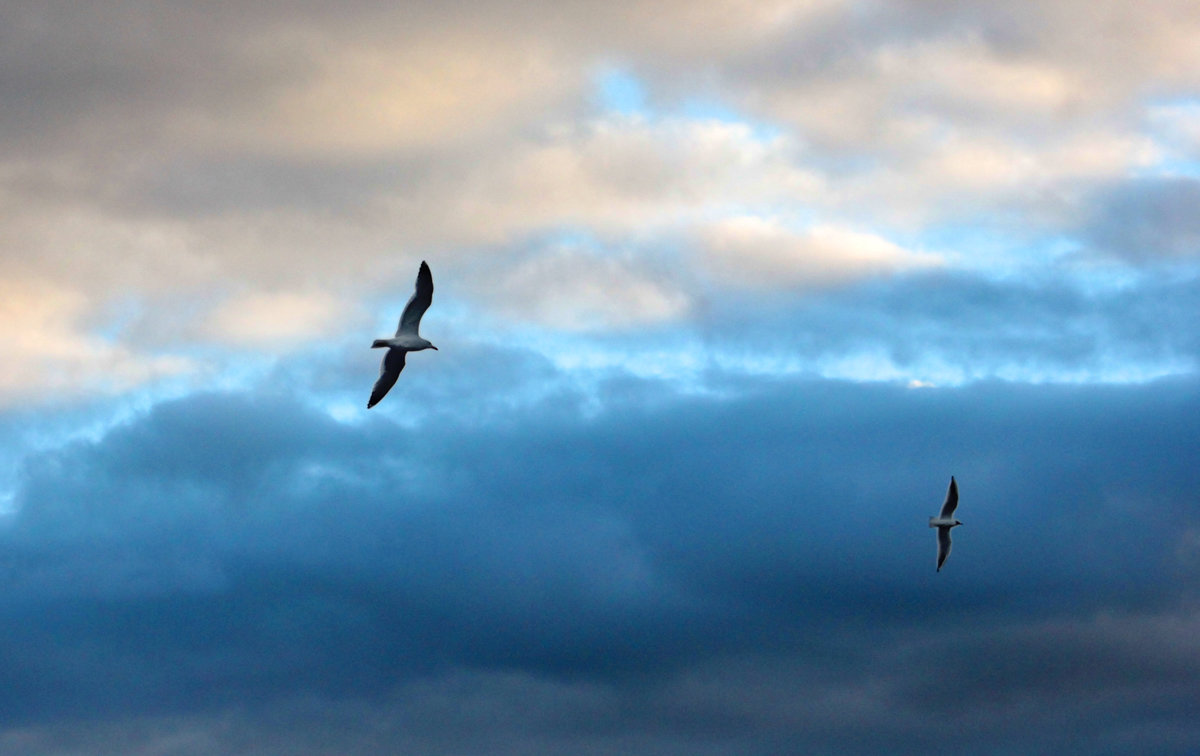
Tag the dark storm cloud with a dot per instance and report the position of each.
(231, 548)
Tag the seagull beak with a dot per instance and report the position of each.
(431, 346)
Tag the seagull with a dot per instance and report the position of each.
(406, 339)
(944, 521)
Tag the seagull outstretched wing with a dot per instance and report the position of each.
(943, 546)
(950, 505)
(389, 371)
(418, 303)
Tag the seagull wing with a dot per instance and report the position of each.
(943, 545)
(951, 500)
(389, 371)
(418, 303)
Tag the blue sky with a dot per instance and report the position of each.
(725, 292)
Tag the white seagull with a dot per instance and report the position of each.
(406, 339)
(944, 521)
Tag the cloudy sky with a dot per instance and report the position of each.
(726, 291)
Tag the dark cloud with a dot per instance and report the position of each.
(231, 548)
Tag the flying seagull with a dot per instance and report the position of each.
(944, 521)
(406, 339)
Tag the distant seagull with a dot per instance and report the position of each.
(406, 339)
(944, 521)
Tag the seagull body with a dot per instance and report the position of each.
(407, 339)
(944, 521)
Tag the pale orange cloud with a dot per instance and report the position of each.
(51, 355)
(764, 253)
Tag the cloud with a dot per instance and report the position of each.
(614, 176)
(975, 60)
(246, 462)
(878, 88)
(956, 114)
(621, 511)
(179, 236)
(240, 559)
(279, 319)
(321, 78)
(948, 328)
(1147, 220)
(828, 698)
(764, 253)
(1175, 126)
(50, 350)
(421, 95)
(571, 289)
(172, 158)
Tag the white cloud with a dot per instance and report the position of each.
(966, 73)
(169, 154)
(863, 100)
(964, 176)
(276, 320)
(940, 114)
(58, 229)
(762, 252)
(617, 176)
(572, 290)
(49, 352)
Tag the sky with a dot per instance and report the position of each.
(725, 292)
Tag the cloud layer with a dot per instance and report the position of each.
(238, 162)
(224, 548)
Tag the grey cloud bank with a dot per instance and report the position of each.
(674, 561)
